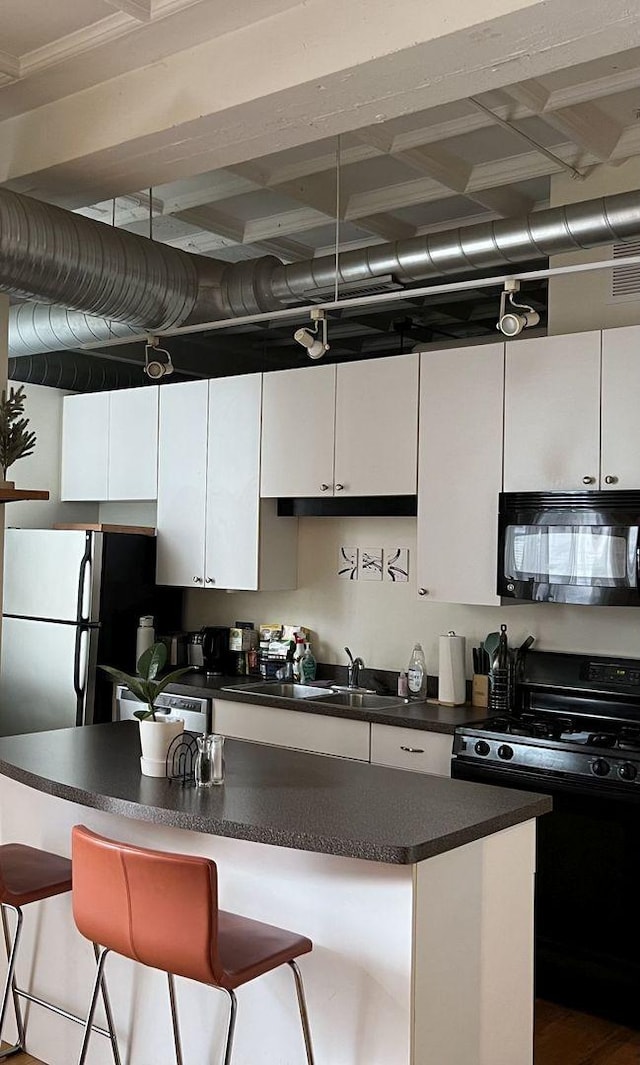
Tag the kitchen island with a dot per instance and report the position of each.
(416, 890)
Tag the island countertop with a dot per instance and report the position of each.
(272, 795)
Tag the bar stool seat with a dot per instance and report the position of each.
(161, 910)
(28, 874)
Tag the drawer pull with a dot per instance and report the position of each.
(412, 750)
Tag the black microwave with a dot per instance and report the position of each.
(570, 547)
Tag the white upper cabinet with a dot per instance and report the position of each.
(85, 447)
(350, 430)
(552, 414)
(298, 412)
(110, 445)
(620, 456)
(376, 450)
(133, 443)
(213, 529)
(182, 483)
(460, 473)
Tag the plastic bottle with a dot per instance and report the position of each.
(298, 655)
(417, 674)
(403, 685)
(308, 665)
(145, 635)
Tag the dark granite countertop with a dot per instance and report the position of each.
(429, 715)
(272, 795)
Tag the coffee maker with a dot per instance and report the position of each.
(208, 650)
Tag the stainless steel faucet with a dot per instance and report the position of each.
(354, 667)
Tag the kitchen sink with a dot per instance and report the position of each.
(364, 700)
(281, 690)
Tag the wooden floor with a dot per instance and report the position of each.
(563, 1037)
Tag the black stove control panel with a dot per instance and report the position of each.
(613, 675)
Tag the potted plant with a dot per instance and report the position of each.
(16, 440)
(157, 728)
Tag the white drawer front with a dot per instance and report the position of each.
(290, 728)
(409, 748)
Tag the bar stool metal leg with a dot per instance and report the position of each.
(233, 1006)
(108, 1014)
(304, 1016)
(174, 1018)
(10, 981)
(97, 984)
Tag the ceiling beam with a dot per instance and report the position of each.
(213, 221)
(585, 124)
(10, 65)
(140, 10)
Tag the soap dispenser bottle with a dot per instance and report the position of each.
(417, 674)
(308, 666)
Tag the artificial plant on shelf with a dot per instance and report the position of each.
(16, 441)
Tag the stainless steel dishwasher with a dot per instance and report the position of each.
(195, 711)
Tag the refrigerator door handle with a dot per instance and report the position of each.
(84, 579)
(80, 671)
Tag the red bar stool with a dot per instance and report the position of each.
(31, 875)
(130, 900)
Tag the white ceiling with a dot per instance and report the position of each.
(94, 101)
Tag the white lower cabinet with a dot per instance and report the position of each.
(410, 748)
(302, 731)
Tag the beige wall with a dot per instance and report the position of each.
(580, 301)
(381, 621)
(43, 407)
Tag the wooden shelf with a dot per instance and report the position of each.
(11, 495)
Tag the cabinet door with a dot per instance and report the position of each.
(133, 443)
(620, 455)
(552, 414)
(85, 447)
(460, 473)
(317, 733)
(409, 748)
(231, 559)
(182, 472)
(298, 413)
(377, 427)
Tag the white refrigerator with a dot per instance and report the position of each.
(72, 599)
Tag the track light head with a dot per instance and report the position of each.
(308, 338)
(511, 323)
(153, 367)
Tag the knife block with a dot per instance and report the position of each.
(480, 689)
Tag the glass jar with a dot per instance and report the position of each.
(209, 768)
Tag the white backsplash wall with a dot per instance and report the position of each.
(381, 620)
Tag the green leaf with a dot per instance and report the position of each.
(152, 661)
(171, 678)
(143, 715)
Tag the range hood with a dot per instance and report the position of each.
(349, 507)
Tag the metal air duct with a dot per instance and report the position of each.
(50, 254)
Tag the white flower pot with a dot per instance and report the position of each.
(155, 739)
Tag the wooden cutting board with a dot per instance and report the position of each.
(96, 526)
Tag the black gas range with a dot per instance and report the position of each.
(574, 733)
(575, 722)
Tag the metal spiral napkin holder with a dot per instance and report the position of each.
(181, 759)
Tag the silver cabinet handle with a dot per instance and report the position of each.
(423, 591)
(588, 480)
(413, 750)
(209, 580)
(339, 488)
(611, 480)
(197, 580)
(324, 487)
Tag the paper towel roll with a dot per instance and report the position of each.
(452, 688)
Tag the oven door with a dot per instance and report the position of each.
(587, 885)
(568, 552)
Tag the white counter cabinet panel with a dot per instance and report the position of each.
(410, 748)
(426, 964)
(460, 474)
(318, 733)
(552, 414)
